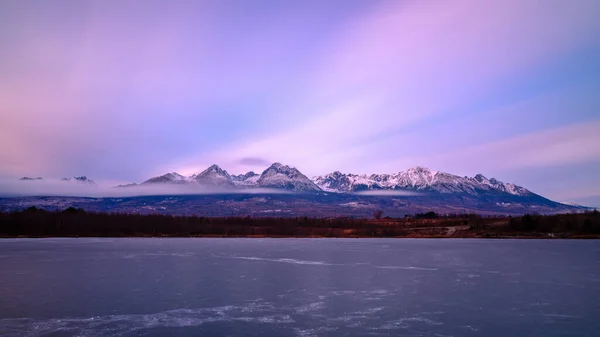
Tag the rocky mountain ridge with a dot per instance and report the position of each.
(276, 176)
(416, 179)
(279, 176)
(415, 186)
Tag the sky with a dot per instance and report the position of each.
(124, 90)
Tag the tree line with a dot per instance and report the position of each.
(73, 222)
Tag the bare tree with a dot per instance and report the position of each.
(377, 214)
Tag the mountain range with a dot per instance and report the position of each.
(416, 189)
(279, 176)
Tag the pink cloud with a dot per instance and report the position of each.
(94, 84)
(437, 45)
(565, 145)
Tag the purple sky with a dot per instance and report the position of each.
(125, 90)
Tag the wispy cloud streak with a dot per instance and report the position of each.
(88, 88)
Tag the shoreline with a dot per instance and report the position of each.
(73, 223)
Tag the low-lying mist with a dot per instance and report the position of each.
(390, 193)
(11, 188)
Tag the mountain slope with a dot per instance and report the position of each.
(246, 180)
(334, 194)
(417, 179)
(168, 178)
(285, 177)
(214, 176)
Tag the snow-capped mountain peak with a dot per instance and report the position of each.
(500, 186)
(213, 176)
(278, 168)
(282, 176)
(248, 179)
(214, 168)
(175, 175)
(168, 178)
(417, 178)
(336, 182)
(481, 178)
(241, 177)
(420, 170)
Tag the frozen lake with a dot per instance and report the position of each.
(299, 287)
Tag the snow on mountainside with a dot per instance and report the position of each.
(285, 177)
(498, 185)
(434, 188)
(169, 178)
(416, 178)
(213, 176)
(429, 190)
(246, 180)
(276, 176)
(281, 176)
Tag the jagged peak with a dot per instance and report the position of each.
(281, 168)
(247, 175)
(417, 177)
(480, 178)
(333, 175)
(283, 176)
(172, 175)
(419, 169)
(213, 168)
(167, 178)
(277, 165)
(214, 175)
